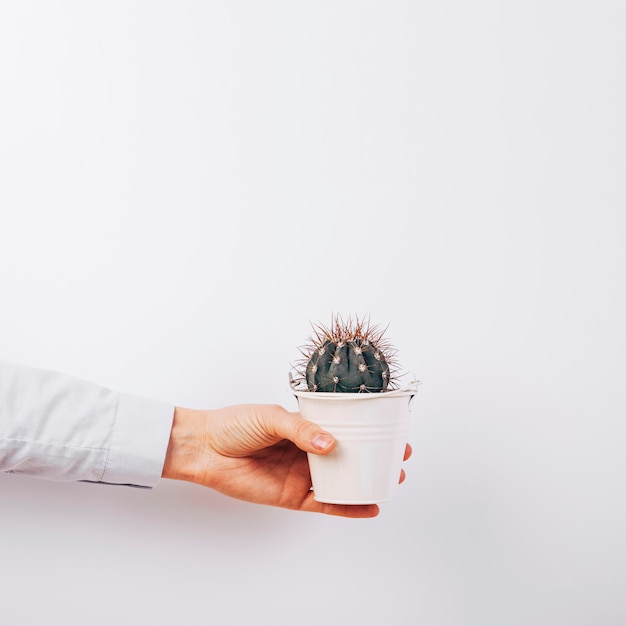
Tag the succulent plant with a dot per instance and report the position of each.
(348, 356)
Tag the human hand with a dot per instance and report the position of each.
(254, 452)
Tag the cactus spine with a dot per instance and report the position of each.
(348, 357)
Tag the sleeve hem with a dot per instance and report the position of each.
(138, 442)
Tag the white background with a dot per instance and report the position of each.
(184, 186)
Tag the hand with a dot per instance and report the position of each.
(254, 452)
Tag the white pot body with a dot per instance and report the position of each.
(371, 432)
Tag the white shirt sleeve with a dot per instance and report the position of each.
(61, 428)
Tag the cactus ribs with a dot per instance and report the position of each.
(348, 356)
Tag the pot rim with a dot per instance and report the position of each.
(411, 390)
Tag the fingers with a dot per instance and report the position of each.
(408, 451)
(350, 510)
(306, 435)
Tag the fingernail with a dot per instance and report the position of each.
(321, 441)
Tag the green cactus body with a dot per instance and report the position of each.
(351, 367)
(348, 356)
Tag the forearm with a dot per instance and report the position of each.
(61, 428)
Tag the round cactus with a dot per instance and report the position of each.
(348, 357)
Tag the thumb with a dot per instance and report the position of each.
(306, 435)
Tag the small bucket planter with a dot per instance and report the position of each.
(371, 430)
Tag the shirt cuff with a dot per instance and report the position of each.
(138, 443)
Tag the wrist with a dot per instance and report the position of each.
(182, 447)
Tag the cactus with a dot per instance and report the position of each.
(348, 357)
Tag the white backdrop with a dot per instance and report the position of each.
(185, 185)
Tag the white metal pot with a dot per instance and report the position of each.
(371, 430)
